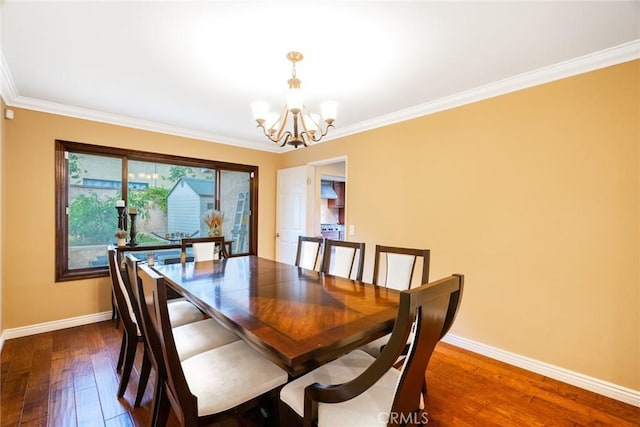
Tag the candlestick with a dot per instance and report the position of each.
(122, 218)
(132, 232)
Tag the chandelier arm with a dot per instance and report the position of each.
(287, 137)
(304, 125)
(323, 133)
(283, 122)
(266, 133)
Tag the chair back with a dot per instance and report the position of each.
(145, 283)
(178, 394)
(309, 252)
(340, 257)
(395, 267)
(204, 247)
(118, 286)
(131, 265)
(433, 308)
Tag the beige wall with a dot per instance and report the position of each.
(30, 294)
(534, 196)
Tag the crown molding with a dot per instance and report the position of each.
(605, 58)
(131, 122)
(8, 89)
(615, 55)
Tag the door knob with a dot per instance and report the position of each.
(277, 234)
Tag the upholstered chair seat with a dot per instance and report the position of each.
(228, 376)
(182, 312)
(368, 409)
(197, 337)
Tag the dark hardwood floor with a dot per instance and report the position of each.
(68, 378)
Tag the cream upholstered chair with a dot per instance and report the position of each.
(395, 268)
(204, 248)
(209, 383)
(308, 254)
(340, 257)
(191, 339)
(358, 390)
(181, 311)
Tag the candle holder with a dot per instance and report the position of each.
(122, 218)
(132, 231)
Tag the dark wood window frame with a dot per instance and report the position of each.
(63, 273)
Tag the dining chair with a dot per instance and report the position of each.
(358, 389)
(204, 248)
(394, 267)
(211, 383)
(191, 339)
(308, 254)
(131, 332)
(181, 311)
(340, 256)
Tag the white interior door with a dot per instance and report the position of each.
(293, 191)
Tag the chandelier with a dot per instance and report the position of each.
(305, 127)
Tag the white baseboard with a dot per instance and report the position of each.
(55, 325)
(595, 385)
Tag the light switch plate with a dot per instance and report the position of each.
(352, 230)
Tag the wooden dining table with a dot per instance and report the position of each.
(298, 318)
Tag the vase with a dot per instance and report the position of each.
(122, 242)
(214, 232)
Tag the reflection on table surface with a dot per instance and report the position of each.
(298, 318)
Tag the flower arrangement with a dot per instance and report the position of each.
(121, 235)
(213, 219)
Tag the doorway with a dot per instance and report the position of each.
(301, 210)
(331, 201)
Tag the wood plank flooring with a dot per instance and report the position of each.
(68, 378)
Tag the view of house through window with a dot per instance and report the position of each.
(168, 201)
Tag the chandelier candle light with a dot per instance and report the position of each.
(306, 127)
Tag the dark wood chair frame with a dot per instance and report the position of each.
(326, 258)
(154, 346)
(433, 307)
(424, 253)
(173, 390)
(136, 295)
(130, 336)
(319, 240)
(225, 246)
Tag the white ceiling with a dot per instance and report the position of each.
(193, 68)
